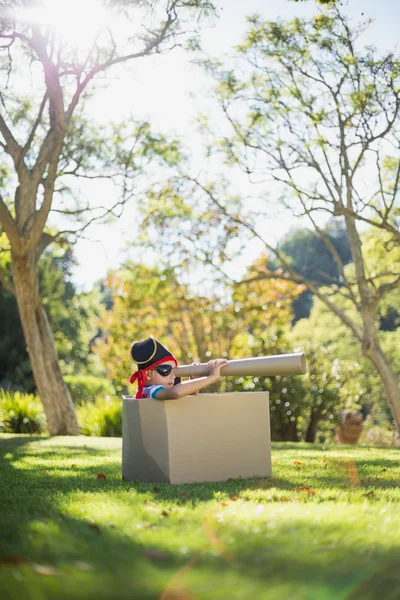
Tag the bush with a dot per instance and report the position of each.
(87, 388)
(21, 413)
(102, 418)
(377, 434)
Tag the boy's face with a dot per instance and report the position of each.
(154, 378)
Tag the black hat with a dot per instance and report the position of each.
(149, 352)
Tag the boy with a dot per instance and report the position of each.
(155, 374)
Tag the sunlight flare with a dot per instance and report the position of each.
(74, 22)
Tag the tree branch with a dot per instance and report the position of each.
(12, 147)
(9, 225)
(36, 124)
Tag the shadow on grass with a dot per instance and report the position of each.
(76, 558)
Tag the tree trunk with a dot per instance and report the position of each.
(56, 399)
(312, 426)
(388, 376)
(289, 431)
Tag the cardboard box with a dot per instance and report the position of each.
(209, 437)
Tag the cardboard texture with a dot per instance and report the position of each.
(264, 366)
(209, 437)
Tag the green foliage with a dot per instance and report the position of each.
(21, 413)
(361, 385)
(72, 316)
(377, 431)
(102, 418)
(88, 388)
(309, 255)
(194, 326)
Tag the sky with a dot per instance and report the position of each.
(169, 91)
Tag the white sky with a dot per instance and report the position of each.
(160, 89)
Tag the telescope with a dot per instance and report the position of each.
(261, 366)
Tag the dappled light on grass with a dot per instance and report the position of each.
(75, 534)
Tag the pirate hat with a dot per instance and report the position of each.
(150, 352)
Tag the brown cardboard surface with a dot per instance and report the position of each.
(209, 437)
(263, 366)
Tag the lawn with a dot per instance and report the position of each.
(325, 526)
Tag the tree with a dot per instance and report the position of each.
(318, 116)
(46, 138)
(72, 317)
(194, 326)
(310, 257)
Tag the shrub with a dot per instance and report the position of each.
(21, 413)
(87, 388)
(377, 434)
(102, 418)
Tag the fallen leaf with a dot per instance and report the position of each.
(95, 527)
(384, 470)
(224, 504)
(101, 476)
(45, 474)
(165, 513)
(234, 498)
(44, 570)
(13, 560)
(156, 490)
(73, 465)
(155, 554)
(304, 488)
(183, 494)
(296, 462)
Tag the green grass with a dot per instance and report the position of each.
(64, 533)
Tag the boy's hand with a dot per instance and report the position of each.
(215, 367)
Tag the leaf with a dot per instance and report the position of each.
(297, 462)
(234, 498)
(101, 476)
(45, 474)
(165, 513)
(156, 490)
(183, 494)
(224, 504)
(94, 527)
(384, 470)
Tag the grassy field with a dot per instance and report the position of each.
(325, 526)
